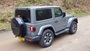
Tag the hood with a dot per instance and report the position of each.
(69, 15)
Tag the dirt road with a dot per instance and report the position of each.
(65, 42)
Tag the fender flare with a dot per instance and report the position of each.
(44, 27)
(71, 20)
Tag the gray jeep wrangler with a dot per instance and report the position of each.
(42, 24)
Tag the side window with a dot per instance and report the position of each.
(57, 12)
(43, 14)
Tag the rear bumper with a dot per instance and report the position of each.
(32, 38)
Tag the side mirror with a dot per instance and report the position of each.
(64, 14)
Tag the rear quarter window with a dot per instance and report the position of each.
(43, 14)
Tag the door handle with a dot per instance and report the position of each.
(56, 21)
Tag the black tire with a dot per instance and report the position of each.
(73, 27)
(15, 27)
(47, 38)
(18, 29)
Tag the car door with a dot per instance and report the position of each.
(60, 21)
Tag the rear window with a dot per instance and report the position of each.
(43, 14)
(24, 13)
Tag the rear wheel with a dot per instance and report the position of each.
(73, 27)
(47, 38)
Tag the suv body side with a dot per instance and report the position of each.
(59, 24)
(43, 24)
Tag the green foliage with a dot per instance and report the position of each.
(3, 20)
(77, 13)
(10, 14)
(29, 2)
(5, 26)
(77, 7)
(66, 3)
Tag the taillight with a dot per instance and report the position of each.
(30, 39)
(32, 29)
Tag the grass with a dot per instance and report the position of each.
(5, 26)
(77, 13)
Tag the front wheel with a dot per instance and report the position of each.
(73, 27)
(47, 38)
